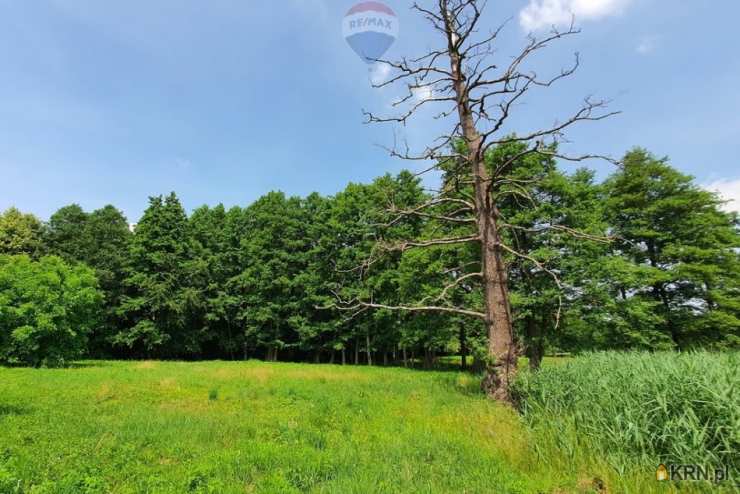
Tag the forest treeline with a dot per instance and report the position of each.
(643, 260)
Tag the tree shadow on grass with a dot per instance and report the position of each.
(87, 364)
(440, 364)
(9, 409)
(83, 364)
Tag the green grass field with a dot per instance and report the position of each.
(254, 427)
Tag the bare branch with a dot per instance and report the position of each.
(419, 210)
(542, 267)
(451, 286)
(406, 245)
(586, 113)
(411, 308)
(605, 239)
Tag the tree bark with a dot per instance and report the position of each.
(463, 348)
(659, 291)
(428, 359)
(535, 348)
(501, 351)
(231, 341)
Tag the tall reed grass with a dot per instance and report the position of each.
(636, 410)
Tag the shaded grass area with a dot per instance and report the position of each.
(454, 363)
(634, 409)
(126, 427)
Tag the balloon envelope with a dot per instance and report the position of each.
(370, 28)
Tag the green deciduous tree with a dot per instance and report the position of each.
(108, 253)
(100, 240)
(273, 253)
(316, 328)
(552, 220)
(47, 309)
(645, 260)
(686, 249)
(208, 272)
(66, 234)
(360, 217)
(20, 233)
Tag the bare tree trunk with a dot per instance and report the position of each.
(535, 348)
(344, 357)
(428, 359)
(231, 341)
(357, 351)
(501, 353)
(367, 348)
(272, 354)
(463, 347)
(405, 359)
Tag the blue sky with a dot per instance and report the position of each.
(222, 101)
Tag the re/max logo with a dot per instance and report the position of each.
(371, 21)
(692, 473)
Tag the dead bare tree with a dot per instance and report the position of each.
(479, 94)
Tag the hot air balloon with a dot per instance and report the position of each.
(370, 28)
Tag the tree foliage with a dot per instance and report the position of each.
(100, 240)
(158, 298)
(19, 233)
(686, 249)
(654, 266)
(47, 310)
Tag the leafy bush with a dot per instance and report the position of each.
(638, 408)
(47, 309)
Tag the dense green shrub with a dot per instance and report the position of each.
(639, 408)
(47, 309)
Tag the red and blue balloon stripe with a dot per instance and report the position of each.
(370, 29)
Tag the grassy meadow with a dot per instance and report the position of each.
(223, 427)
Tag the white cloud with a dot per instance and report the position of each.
(729, 190)
(546, 13)
(647, 45)
(423, 93)
(379, 73)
